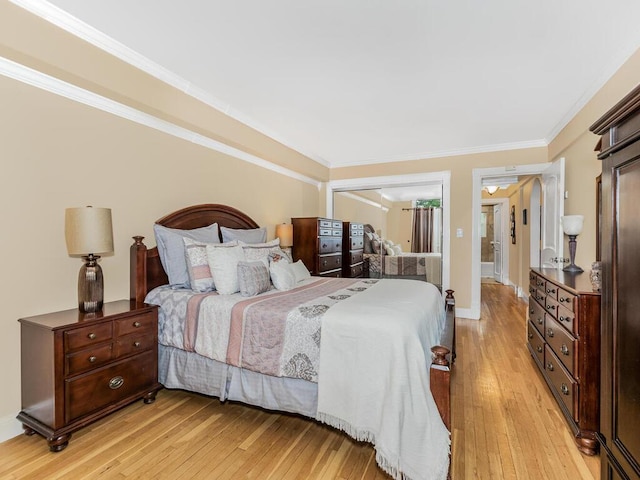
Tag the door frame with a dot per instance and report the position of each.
(476, 198)
(504, 204)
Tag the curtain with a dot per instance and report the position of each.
(427, 230)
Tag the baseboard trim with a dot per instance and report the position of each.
(9, 427)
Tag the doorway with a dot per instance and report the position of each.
(494, 251)
(552, 242)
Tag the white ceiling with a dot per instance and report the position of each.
(362, 81)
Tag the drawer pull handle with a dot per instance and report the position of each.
(551, 307)
(136, 344)
(136, 324)
(530, 335)
(92, 359)
(564, 349)
(550, 333)
(539, 348)
(564, 389)
(551, 290)
(539, 321)
(92, 336)
(116, 382)
(550, 366)
(562, 319)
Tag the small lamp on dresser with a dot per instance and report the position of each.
(88, 231)
(284, 231)
(572, 227)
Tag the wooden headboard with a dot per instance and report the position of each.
(146, 270)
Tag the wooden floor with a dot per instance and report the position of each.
(505, 426)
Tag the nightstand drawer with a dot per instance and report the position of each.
(135, 324)
(89, 335)
(88, 359)
(92, 392)
(134, 344)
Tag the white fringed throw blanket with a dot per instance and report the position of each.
(373, 381)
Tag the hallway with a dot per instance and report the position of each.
(506, 424)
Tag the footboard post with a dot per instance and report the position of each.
(137, 270)
(440, 379)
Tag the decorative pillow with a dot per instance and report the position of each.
(223, 262)
(299, 271)
(390, 251)
(375, 246)
(251, 235)
(279, 256)
(261, 251)
(200, 278)
(253, 278)
(172, 252)
(282, 276)
(397, 249)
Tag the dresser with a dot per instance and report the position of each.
(563, 335)
(317, 242)
(352, 249)
(619, 149)
(79, 367)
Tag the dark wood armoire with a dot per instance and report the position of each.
(619, 435)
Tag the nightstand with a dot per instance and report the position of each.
(79, 367)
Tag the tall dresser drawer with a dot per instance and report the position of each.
(566, 299)
(357, 270)
(536, 343)
(329, 245)
(562, 343)
(329, 262)
(536, 315)
(563, 383)
(355, 257)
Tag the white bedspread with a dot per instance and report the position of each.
(374, 376)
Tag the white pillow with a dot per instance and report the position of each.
(282, 276)
(223, 263)
(251, 235)
(390, 251)
(299, 271)
(397, 249)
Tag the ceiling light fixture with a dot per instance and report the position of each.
(491, 189)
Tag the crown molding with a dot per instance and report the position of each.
(82, 30)
(29, 76)
(446, 153)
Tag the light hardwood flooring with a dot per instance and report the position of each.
(505, 426)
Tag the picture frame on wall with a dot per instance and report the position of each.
(512, 219)
(524, 216)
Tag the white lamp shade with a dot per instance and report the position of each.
(88, 230)
(284, 232)
(572, 224)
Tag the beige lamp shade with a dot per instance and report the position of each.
(88, 230)
(284, 232)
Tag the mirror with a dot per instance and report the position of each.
(394, 249)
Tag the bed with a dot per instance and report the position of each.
(197, 355)
(407, 265)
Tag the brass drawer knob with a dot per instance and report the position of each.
(116, 382)
(551, 307)
(92, 359)
(562, 319)
(92, 336)
(136, 344)
(136, 324)
(530, 335)
(564, 389)
(539, 348)
(550, 333)
(550, 366)
(539, 321)
(564, 349)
